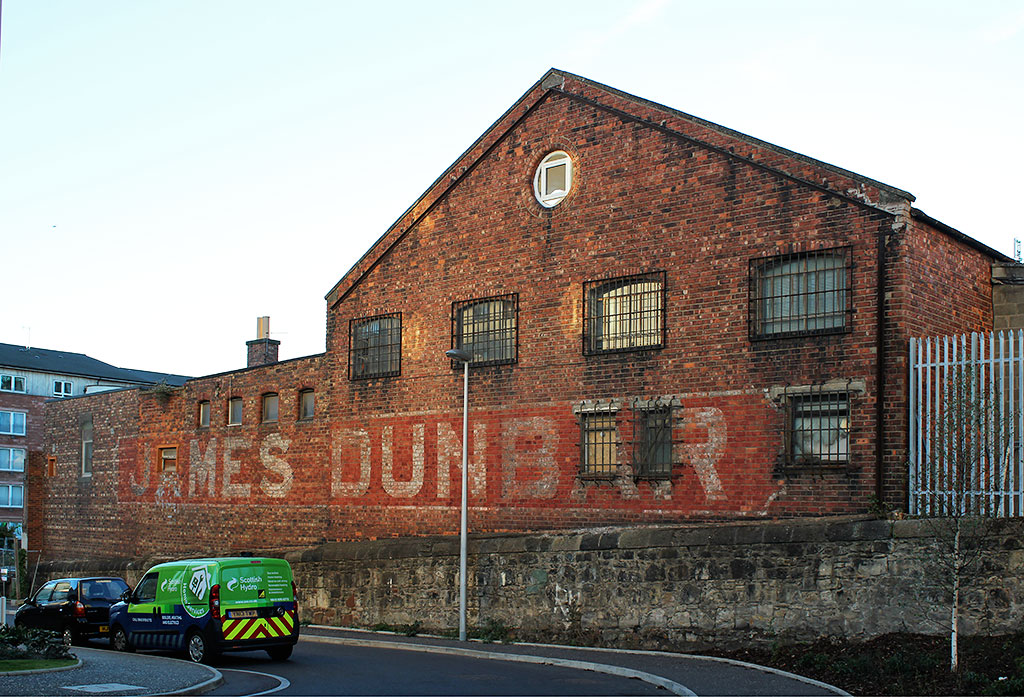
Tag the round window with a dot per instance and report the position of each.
(553, 179)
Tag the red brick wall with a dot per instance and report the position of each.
(937, 286)
(381, 458)
(644, 201)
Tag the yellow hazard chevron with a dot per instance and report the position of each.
(255, 628)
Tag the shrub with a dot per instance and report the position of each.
(32, 643)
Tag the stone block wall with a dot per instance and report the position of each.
(661, 587)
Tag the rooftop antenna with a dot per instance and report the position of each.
(28, 336)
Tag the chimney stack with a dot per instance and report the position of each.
(262, 350)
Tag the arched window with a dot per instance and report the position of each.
(486, 328)
(625, 314)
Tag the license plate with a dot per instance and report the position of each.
(247, 613)
(104, 628)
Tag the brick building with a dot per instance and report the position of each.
(29, 376)
(670, 321)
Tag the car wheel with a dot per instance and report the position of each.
(197, 649)
(280, 653)
(67, 635)
(20, 624)
(119, 640)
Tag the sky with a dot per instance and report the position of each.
(170, 171)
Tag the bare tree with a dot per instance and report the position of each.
(972, 454)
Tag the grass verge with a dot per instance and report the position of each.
(30, 664)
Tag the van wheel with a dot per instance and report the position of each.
(280, 653)
(119, 640)
(197, 649)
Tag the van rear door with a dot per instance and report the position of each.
(256, 600)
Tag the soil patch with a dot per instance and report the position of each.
(902, 665)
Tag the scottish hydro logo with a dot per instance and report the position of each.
(195, 595)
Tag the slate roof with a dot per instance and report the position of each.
(75, 364)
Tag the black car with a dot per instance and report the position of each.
(78, 607)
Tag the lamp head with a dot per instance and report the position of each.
(459, 355)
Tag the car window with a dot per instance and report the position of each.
(146, 591)
(102, 589)
(60, 592)
(43, 595)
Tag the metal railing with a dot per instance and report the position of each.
(966, 423)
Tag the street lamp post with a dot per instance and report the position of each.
(465, 357)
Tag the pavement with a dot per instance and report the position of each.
(108, 673)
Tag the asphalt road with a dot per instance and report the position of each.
(323, 669)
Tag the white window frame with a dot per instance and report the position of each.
(10, 459)
(540, 179)
(203, 418)
(12, 431)
(63, 384)
(9, 490)
(14, 383)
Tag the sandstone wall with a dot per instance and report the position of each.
(665, 587)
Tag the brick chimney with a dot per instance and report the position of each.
(263, 349)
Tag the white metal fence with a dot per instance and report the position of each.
(966, 422)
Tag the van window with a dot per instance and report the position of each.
(146, 591)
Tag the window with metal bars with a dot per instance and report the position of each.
(487, 329)
(800, 294)
(599, 443)
(624, 314)
(375, 346)
(652, 439)
(819, 428)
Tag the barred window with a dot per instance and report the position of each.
(486, 328)
(819, 428)
(599, 442)
(624, 314)
(805, 293)
(652, 440)
(375, 346)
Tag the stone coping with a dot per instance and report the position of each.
(851, 529)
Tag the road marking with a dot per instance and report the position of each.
(105, 687)
(283, 682)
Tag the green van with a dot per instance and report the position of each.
(210, 605)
